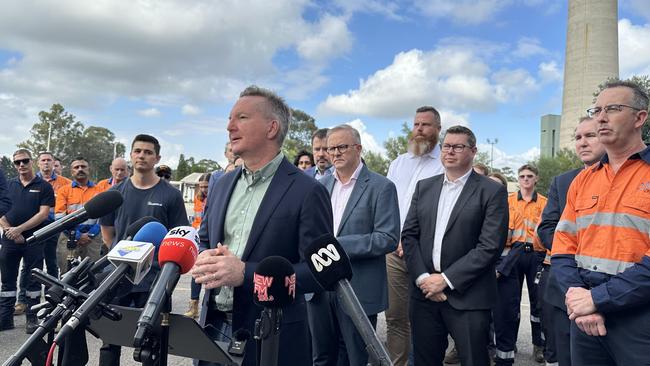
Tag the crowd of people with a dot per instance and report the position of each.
(438, 245)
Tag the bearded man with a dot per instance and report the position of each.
(421, 161)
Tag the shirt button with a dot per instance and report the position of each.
(250, 189)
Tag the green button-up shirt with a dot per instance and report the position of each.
(242, 209)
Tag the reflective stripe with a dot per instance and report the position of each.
(74, 207)
(542, 336)
(58, 216)
(547, 258)
(534, 319)
(518, 233)
(552, 364)
(505, 355)
(33, 294)
(530, 223)
(7, 293)
(505, 251)
(609, 266)
(567, 226)
(615, 219)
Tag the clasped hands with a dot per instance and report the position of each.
(15, 234)
(218, 267)
(432, 287)
(581, 309)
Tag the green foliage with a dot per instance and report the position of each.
(644, 82)
(184, 167)
(188, 166)
(298, 138)
(7, 167)
(376, 162)
(565, 160)
(69, 139)
(205, 166)
(395, 146)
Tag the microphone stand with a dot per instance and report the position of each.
(151, 350)
(267, 334)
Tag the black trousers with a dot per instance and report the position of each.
(10, 256)
(49, 254)
(432, 322)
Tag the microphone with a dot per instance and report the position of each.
(133, 260)
(274, 287)
(176, 256)
(135, 227)
(100, 205)
(331, 267)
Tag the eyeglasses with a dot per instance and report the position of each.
(595, 111)
(22, 161)
(456, 148)
(529, 176)
(341, 148)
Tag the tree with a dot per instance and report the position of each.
(549, 167)
(376, 162)
(7, 167)
(97, 145)
(298, 138)
(184, 167)
(205, 166)
(644, 82)
(395, 146)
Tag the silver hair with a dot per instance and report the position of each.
(353, 131)
(276, 108)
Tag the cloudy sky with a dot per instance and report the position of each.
(173, 68)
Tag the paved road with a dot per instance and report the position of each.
(11, 340)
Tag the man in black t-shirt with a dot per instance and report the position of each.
(145, 194)
(31, 199)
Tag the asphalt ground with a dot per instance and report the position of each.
(11, 340)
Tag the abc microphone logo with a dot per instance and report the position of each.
(324, 257)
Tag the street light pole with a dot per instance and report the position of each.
(492, 142)
(49, 134)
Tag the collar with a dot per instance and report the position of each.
(643, 155)
(355, 174)
(52, 177)
(75, 184)
(110, 181)
(521, 198)
(265, 172)
(462, 180)
(433, 154)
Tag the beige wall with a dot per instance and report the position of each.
(591, 57)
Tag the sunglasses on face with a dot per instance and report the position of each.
(529, 176)
(22, 161)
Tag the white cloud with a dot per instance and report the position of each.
(514, 161)
(368, 141)
(527, 47)
(449, 77)
(201, 127)
(549, 72)
(330, 38)
(634, 54)
(450, 118)
(16, 118)
(149, 112)
(462, 11)
(190, 110)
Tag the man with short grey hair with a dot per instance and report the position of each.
(366, 223)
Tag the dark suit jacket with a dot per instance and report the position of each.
(369, 230)
(546, 229)
(5, 201)
(473, 240)
(295, 211)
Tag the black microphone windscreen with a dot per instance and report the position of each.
(138, 224)
(103, 204)
(274, 282)
(328, 261)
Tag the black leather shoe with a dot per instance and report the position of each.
(31, 325)
(7, 325)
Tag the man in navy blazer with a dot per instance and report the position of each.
(555, 321)
(279, 211)
(366, 223)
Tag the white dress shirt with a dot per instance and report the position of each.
(448, 197)
(407, 170)
(341, 194)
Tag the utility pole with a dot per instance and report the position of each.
(49, 135)
(492, 142)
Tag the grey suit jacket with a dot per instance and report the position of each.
(369, 230)
(473, 240)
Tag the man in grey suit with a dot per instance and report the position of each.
(366, 223)
(456, 228)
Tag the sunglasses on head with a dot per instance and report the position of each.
(22, 161)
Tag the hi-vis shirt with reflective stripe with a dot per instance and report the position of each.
(524, 218)
(72, 197)
(606, 222)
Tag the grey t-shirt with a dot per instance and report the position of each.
(162, 201)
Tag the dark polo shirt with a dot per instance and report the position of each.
(27, 200)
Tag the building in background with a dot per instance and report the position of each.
(591, 58)
(549, 135)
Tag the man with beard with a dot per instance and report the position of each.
(70, 198)
(323, 166)
(421, 161)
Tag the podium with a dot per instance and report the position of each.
(186, 337)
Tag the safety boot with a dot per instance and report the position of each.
(20, 308)
(538, 354)
(193, 311)
(31, 323)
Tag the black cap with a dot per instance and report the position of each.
(274, 283)
(328, 262)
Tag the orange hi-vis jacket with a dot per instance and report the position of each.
(198, 212)
(56, 181)
(72, 197)
(602, 241)
(524, 218)
(105, 184)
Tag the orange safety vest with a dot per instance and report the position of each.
(198, 212)
(606, 222)
(524, 218)
(72, 197)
